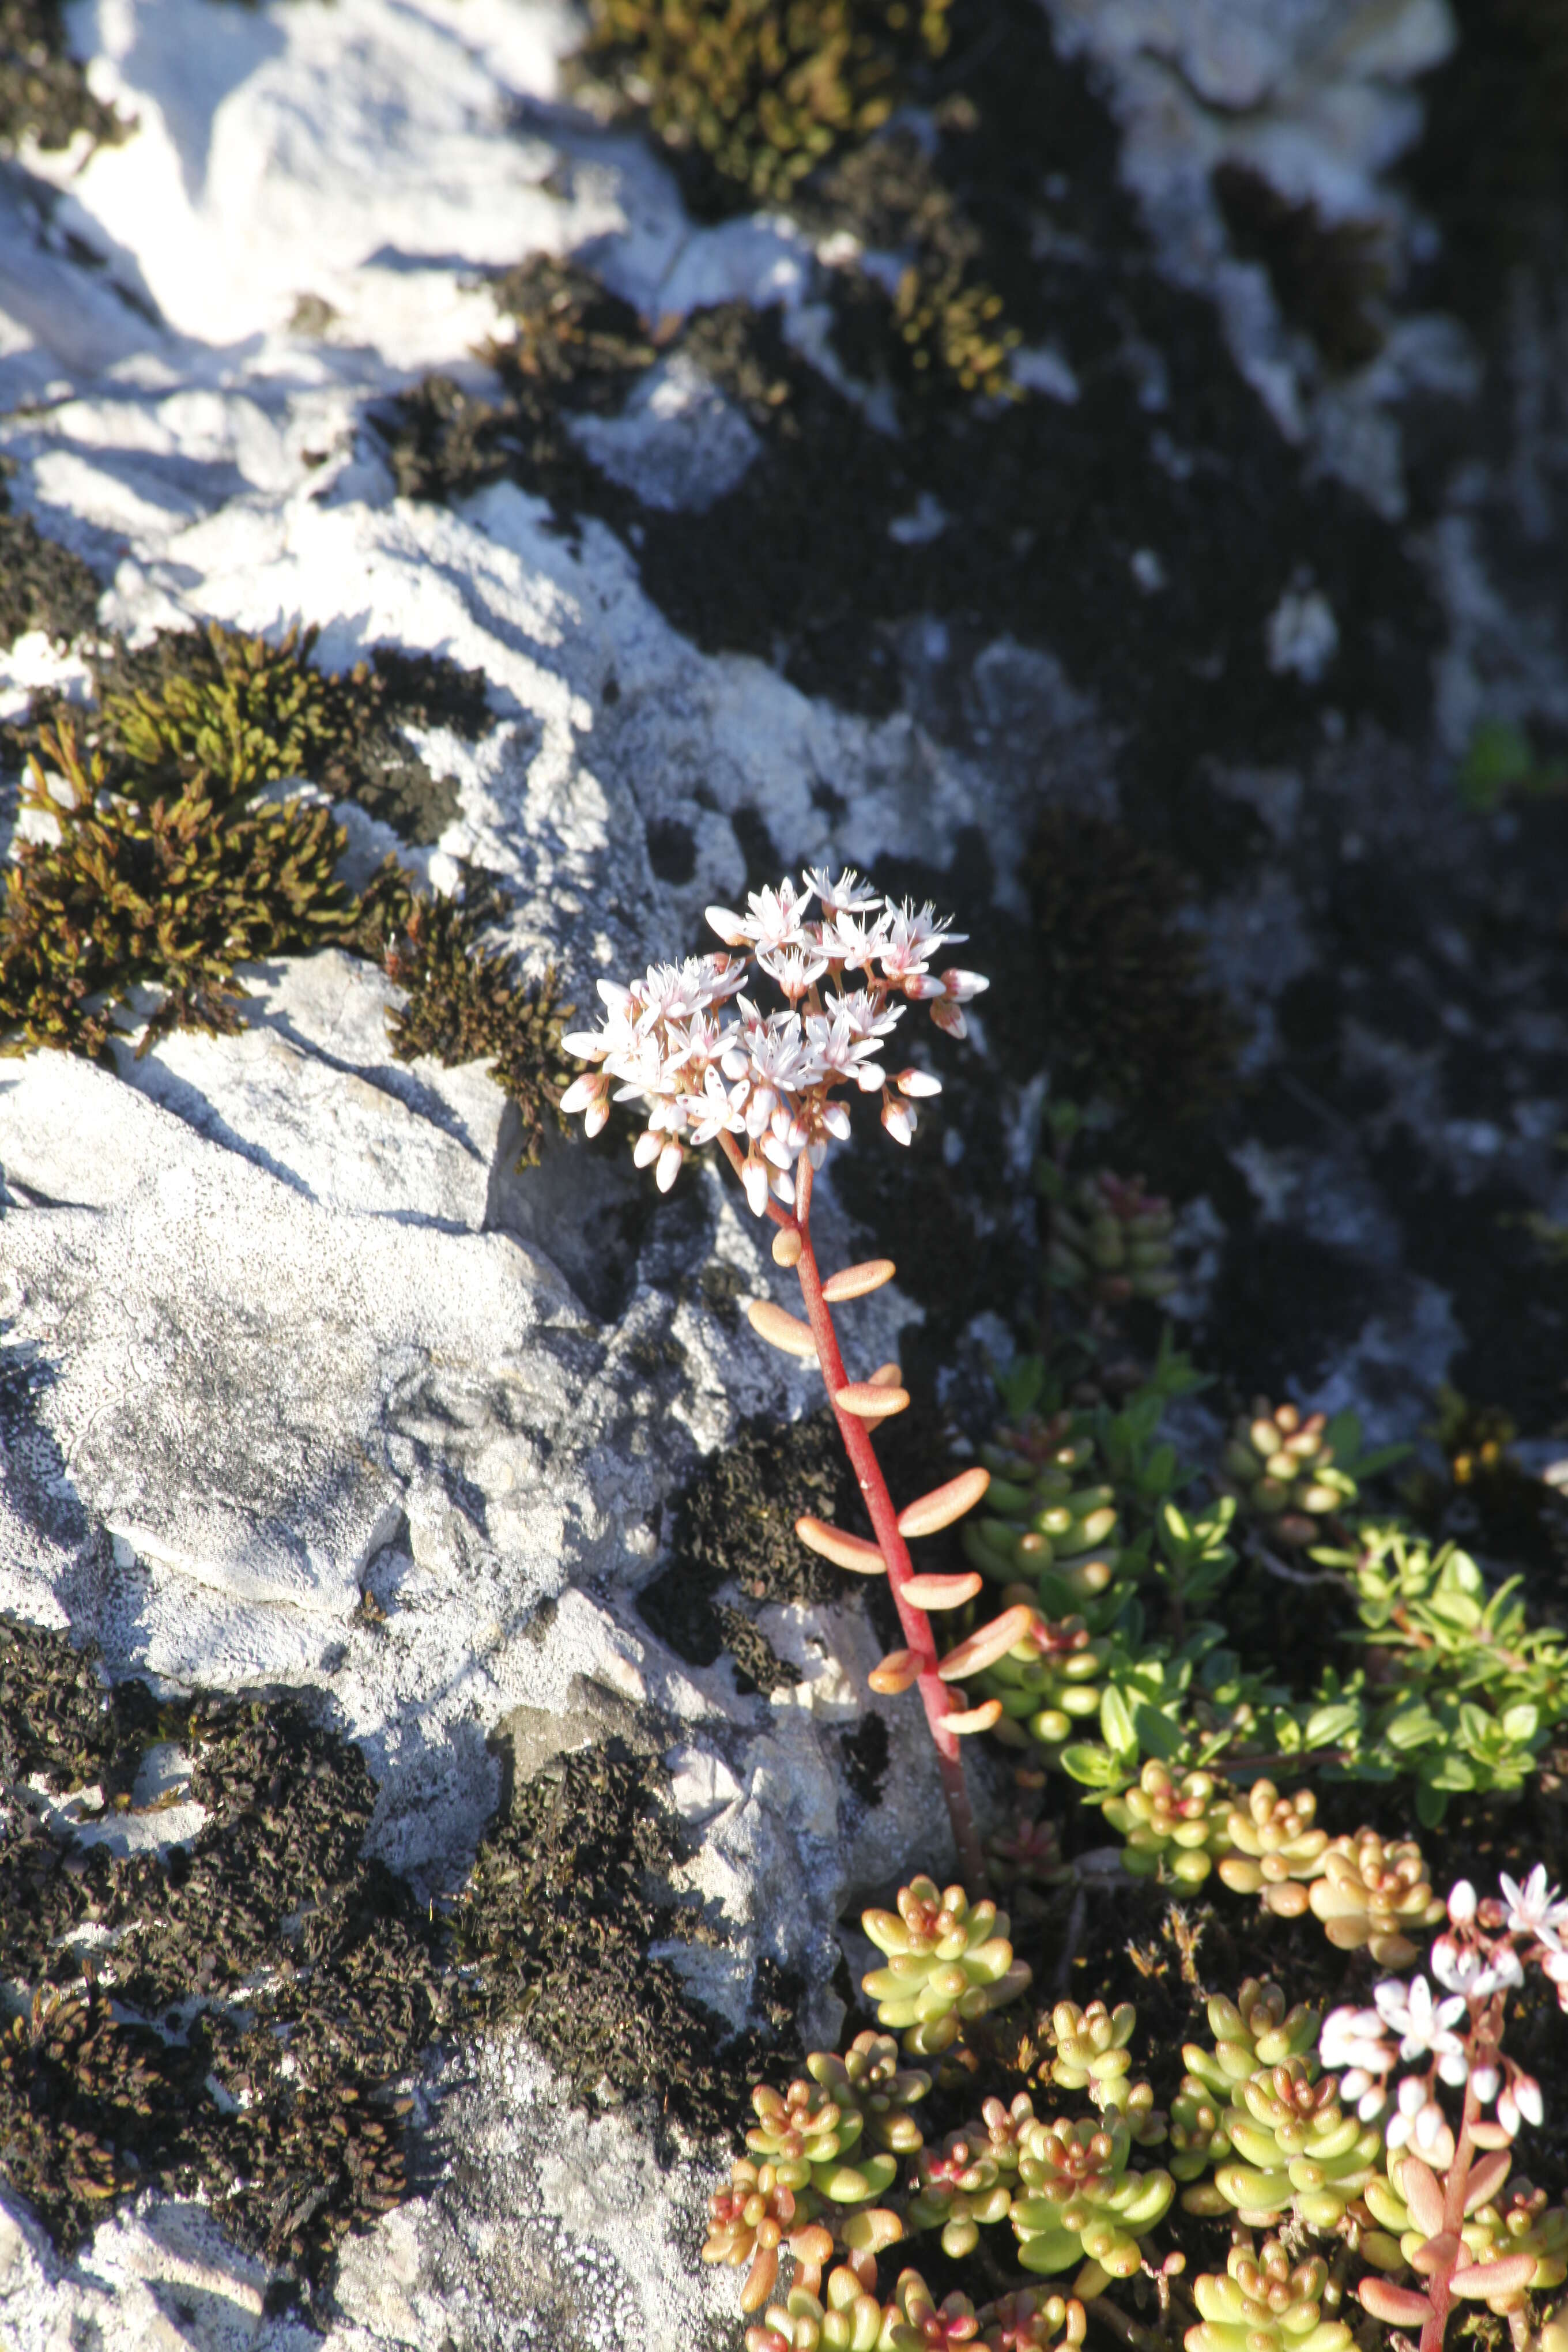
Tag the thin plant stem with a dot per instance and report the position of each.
(1439, 2292)
(1110, 2314)
(935, 1695)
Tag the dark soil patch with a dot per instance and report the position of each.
(1120, 1003)
(273, 1989)
(1492, 166)
(1326, 278)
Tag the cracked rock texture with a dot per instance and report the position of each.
(283, 1325)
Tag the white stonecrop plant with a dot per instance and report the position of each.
(766, 1086)
(773, 1088)
(1469, 2240)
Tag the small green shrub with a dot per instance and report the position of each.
(172, 895)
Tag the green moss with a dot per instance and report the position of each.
(42, 584)
(763, 89)
(272, 1987)
(243, 712)
(570, 332)
(159, 868)
(44, 94)
(171, 896)
(468, 1003)
(1123, 1013)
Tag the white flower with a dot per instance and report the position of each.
(590, 1095)
(619, 1032)
(865, 1015)
(1465, 1968)
(774, 919)
(697, 1042)
(1420, 2122)
(673, 992)
(854, 941)
(772, 1076)
(1485, 2079)
(730, 927)
(1535, 1908)
(643, 1072)
(795, 969)
(1527, 2098)
(1355, 2037)
(1424, 2025)
(726, 974)
(840, 1050)
(712, 1113)
(1462, 1902)
(841, 893)
(913, 939)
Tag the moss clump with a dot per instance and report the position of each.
(294, 1980)
(1123, 1013)
(554, 1926)
(574, 347)
(272, 1987)
(735, 1523)
(468, 1003)
(44, 94)
(763, 89)
(571, 332)
(171, 896)
(42, 584)
(1326, 277)
(154, 865)
(243, 712)
(956, 324)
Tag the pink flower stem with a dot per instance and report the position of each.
(935, 1695)
(1439, 2293)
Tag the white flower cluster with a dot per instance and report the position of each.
(769, 1079)
(1484, 1952)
